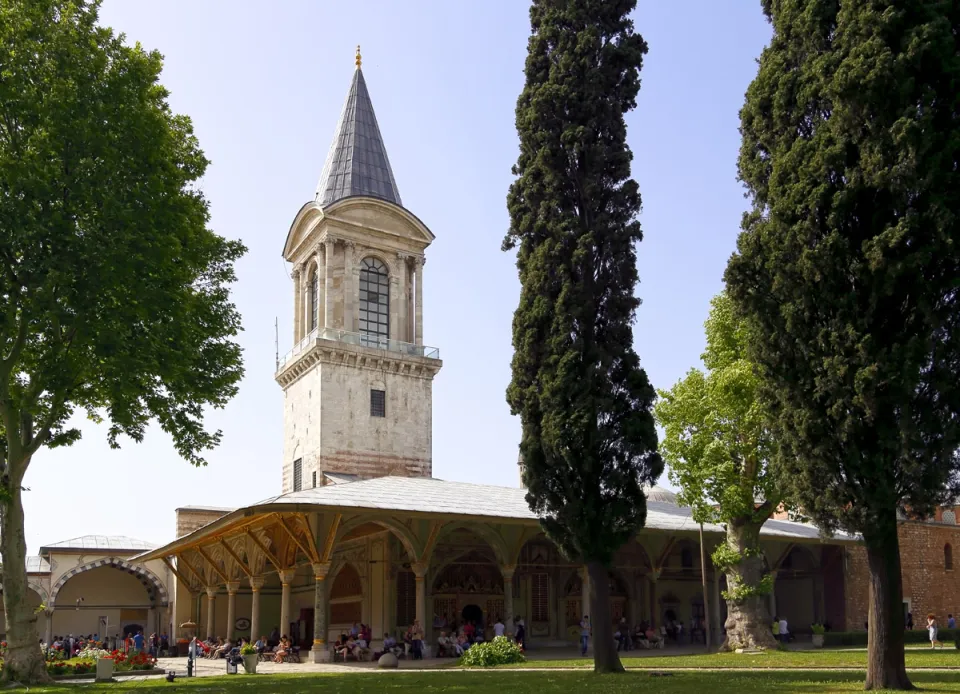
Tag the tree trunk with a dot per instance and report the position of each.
(886, 668)
(749, 621)
(24, 662)
(605, 658)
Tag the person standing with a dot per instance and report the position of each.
(784, 631)
(498, 627)
(521, 632)
(932, 629)
(584, 634)
(951, 622)
(910, 620)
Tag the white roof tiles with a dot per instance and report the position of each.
(422, 494)
(105, 542)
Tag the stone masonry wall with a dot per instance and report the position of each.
(328, 425)
(190, 519)
(928, 585)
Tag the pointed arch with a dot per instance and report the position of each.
(149, 580)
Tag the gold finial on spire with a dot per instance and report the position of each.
(359, 59)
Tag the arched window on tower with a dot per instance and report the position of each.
(314, 299)
(374, 301)
(948, 557)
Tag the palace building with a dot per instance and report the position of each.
(362, 532)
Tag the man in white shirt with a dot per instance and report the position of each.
(784, 633)
(498, 628)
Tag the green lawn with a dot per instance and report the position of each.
(917, 658)
(501, 682)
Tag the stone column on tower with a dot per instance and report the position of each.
(328, 293)
(232, 588)
(403, 294)
(320, 652)
(256, 583)
(211, 598)
(297, 305)
(351, 287)
(418, 309)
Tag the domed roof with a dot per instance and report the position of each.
(657, 493)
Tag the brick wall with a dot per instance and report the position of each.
(927, 584)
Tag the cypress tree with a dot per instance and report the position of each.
(589, 442)
(848, 270)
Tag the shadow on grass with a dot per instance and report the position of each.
(511, 682)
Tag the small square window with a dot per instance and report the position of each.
(378, 403)
(298, 474)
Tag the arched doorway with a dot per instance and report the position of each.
(346, 602)
(797, 590)
(473, 613)
(109, 597)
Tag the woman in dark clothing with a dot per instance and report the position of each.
(521, 632)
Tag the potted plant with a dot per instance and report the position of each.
(249, 655)
(818, 632)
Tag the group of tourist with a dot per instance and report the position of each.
(356, 643)
(131, 644)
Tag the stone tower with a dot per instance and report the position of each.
(358, 382)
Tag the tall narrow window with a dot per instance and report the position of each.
(378, 403)
(948, 557)
(314, 299)
(374, 302)
(540, 598)
(298, 474)
(314, 474)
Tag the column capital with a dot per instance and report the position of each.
(286, 576)
(296, 270)
(256, 582)
(331, 241)
(655, 575)
(507, 570)
(233, 587)
(420, 569)
(321, 570)
(211, 591)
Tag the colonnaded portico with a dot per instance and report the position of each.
(390, 550)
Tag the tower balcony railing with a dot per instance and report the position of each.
(371, 341)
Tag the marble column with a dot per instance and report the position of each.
(256, 583)
(320, 653)
(418, 307)
(508, 570)
(286, 578)
(328, 293)
(654, 577)
(232, 588)
(152, 626)
(719, 631)
(211, 599)
(297, 305)
(420, 572)
(48, 628)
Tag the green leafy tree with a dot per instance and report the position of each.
(719, 451)
(114, 291)
(848, 271)
(589, 441)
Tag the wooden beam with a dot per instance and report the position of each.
(435, 527)
(213, 565)
(193, 570)
(671, 541)
(311, 540)
(331, 538)
(173, 569)
(236, 558)
(783, 557)
(277, 564)
(293, 536)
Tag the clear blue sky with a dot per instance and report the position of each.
(264, 84)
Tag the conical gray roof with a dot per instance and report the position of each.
(357, 163)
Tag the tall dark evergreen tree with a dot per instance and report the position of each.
(589, 442)
(849, 270)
